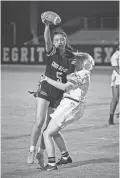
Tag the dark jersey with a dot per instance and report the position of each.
(57, 68)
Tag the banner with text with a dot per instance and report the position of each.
(36, 54)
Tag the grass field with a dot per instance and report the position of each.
(92, 143)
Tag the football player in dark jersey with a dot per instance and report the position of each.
(59, 63)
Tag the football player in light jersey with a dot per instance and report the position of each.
(71, 107)
(115, 83)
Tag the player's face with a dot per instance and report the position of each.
(59, 41)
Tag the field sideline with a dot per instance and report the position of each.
(92, 143)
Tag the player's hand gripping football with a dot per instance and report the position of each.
(50, 18)
(45, 21)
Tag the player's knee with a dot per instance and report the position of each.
(115, 99)
(39, 123)
(47, 133)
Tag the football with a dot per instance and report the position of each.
(51, 18)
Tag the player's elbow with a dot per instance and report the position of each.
(47, 38)
(48, 46)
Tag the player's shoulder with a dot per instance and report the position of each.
(83, 75)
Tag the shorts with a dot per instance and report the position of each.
(67, 112)
(115, 79)
(51, 94)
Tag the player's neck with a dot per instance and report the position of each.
(62, 51)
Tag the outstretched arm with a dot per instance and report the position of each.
(47, 38)
(59, 85)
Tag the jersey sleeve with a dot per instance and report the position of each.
(114, 59)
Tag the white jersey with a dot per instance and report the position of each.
(115, 61)
(80, 88)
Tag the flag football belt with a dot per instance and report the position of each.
(72, 99)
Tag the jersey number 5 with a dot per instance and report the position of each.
(59, 77)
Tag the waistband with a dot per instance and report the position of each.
(72, 99)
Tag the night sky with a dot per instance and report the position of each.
(19, 12)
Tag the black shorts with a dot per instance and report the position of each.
(51, 94)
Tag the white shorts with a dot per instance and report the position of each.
(68, 112)
(115, 79)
